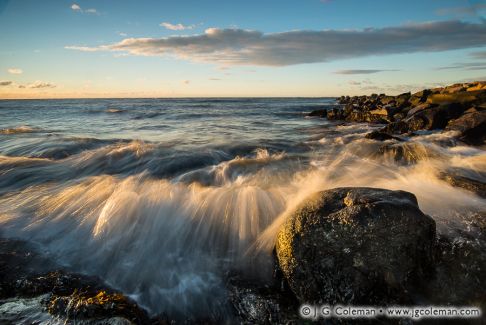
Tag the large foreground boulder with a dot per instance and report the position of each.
(356, 245)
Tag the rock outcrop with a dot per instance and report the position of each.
(459, 107)
(356, 245)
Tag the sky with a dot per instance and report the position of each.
(251, 48)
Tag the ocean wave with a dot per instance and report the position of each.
(147, 115)
(56, 147)
(195, 233)
(245, 169)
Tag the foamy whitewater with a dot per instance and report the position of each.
(162, 198)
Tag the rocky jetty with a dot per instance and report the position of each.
(459, 107)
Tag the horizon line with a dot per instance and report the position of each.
(174, 97)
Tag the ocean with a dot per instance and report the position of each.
(163, 198)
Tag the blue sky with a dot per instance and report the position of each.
(104, 48)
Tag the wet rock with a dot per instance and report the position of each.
(93, 304)
(398, 127)
(448, 98)
(366, 116)
(318, 113)
(468, 183)
(419, 108)
(434, 117)
(335, 114)
(429, 109)
(381, 136)
(385, 100)
(406, 153)
(459, 276)
(472, 127)
(69, 296)
(425, 117)
(356, 245)
(255, 303)
(403, 99)
(419, 97)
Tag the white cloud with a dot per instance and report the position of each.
(82, 48)
(247, 47)
(78, 8)
(186, 82)
(15, 71)
(176, 26)
(41, 84)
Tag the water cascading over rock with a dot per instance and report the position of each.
(356, 245)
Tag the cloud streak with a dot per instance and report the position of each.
(479, 55)
(15, 71)
(176, 26)
(464, 66)
(462, 11)
(35, 85)
(362, 71)
(247, 47)
(41, 84)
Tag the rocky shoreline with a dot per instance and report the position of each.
(361, 246)
(459, 107)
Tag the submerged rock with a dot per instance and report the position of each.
(318, 113)
(381, 136)
(406, 152)
(468, 183)
(356, 245)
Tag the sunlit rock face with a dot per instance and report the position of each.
(356, 245)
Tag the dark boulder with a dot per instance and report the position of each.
(472, 127)
(419, 108)
(425, 117)
(318, 113)
(356, 245)
(459, 277)
(258, 303)
(402, 99)
(335, 114)
(434, 117)
(398, 127)
(91, 305)
(381, 136)
(406, 153)
(460, 179)
(420, 97)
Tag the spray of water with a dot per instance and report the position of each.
(168, 243)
